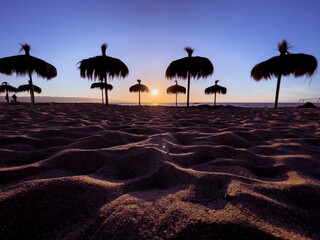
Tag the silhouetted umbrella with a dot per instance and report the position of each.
(215, 89)
(284, 65)
(187, 67)
(5, 87)
(175, 89)
(139, 88)
(102, 66)
(28, 88)
(102, 86)
(26, 64)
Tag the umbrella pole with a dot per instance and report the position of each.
(31, 88)
(277, 92)
(176, 99)
(106, 90)
(102, 95)
(215, 98)
(188, 89)
(139, 97)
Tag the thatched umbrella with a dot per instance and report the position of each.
(284, 65)
(5, 87)
(102, 86)
(215, 89)
(26, 64)
(139, 88)
(187, 67)
(103, 66)
(175, 89)
(28, 88)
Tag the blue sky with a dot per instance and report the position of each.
(148, 35)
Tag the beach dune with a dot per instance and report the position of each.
(84, 171)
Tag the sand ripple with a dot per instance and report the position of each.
(84, 171)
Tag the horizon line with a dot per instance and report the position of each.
(154, 102)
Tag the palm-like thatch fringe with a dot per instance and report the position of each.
(22, 64)
(297, 64)
(197, 66)
(188, 67)
(174, 89)
(139, 87)
(101, 67)
(5, 87)
(27, 88)
(215, 89)
(101, 85)
(25, 64)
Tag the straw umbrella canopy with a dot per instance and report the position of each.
(102, 67)
(5, 87)
(139, 88)
(287, 63)
(175, 89)
(215, 89)
(102, 86)
(26, 64)
(28, 88)
(188, 67)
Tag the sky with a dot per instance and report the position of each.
(147, 35)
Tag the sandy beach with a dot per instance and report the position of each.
(86, 171)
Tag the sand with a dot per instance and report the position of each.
(84, 171)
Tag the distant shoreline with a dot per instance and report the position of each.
(198, 104)
(49, 99)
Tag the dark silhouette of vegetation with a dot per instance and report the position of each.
(188, 67)
(287, 63)
(139, 88)
(26, 64)
(102, 86)
(5, 87)
(175, 89)
(214, 90)
(102, 67)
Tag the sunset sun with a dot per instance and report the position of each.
(154, 92)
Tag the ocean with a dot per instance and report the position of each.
(46, 99)
(238, 104)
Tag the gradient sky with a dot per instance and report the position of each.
(147, 35)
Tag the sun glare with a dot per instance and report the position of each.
(154, 92)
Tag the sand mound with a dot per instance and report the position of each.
(84, 171)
